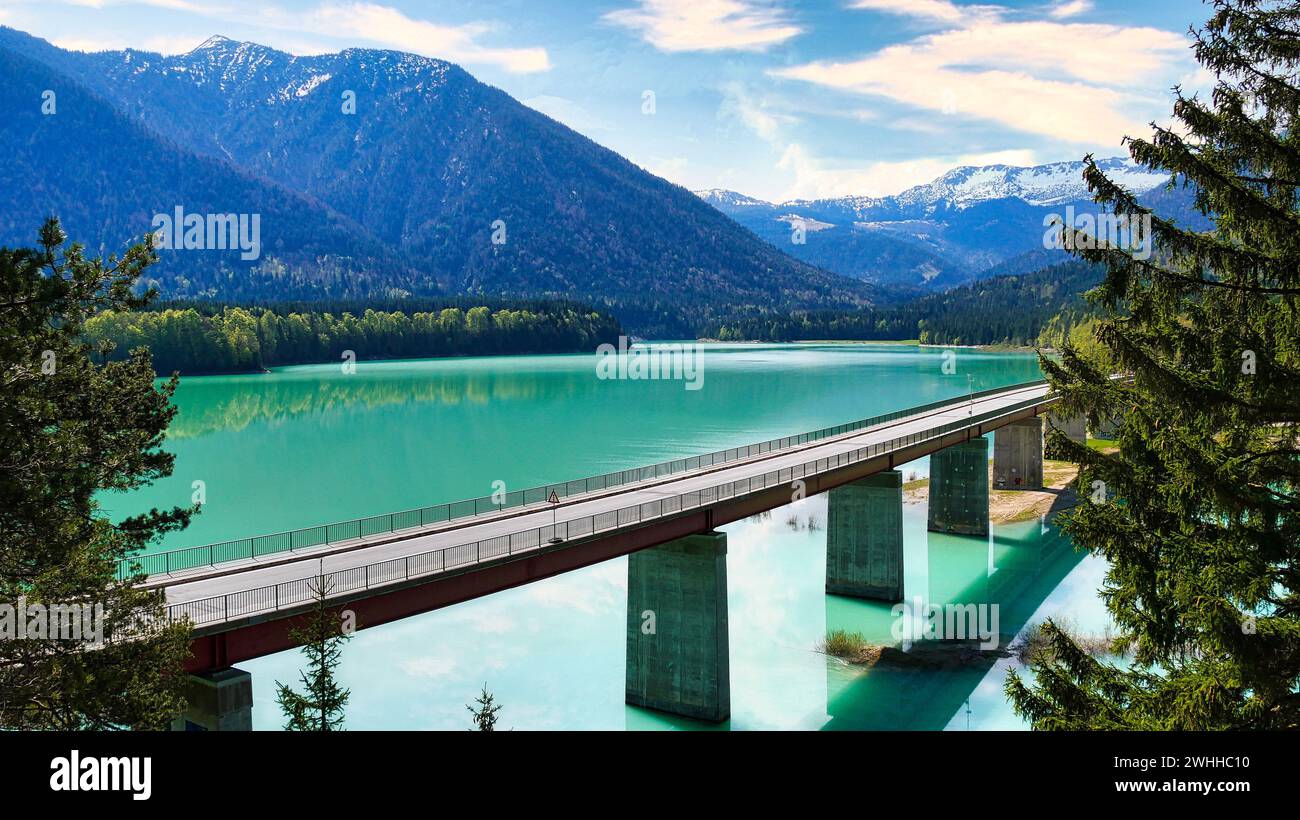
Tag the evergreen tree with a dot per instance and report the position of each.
(1204, 535)
(485, 716)
(70, 429)
(320, 707)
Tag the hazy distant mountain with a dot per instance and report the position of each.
(417, 177)
(1013, 308)
(956, 229)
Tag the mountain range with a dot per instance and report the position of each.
(373, 173)
(380, 174)
(969, 224)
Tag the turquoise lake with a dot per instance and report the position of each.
(309, 445)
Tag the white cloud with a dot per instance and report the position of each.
(921, 125)
(754, 112)
(389, 27)
(1072, 8)
(162, 44)
(816, 178)
(706, 25)
(572, 114)
(429, 667)
(296, 30)
(669, 168)
(1075, 82)
(1200, 81)
(488, 622)
(940, 10)
(599, 590)
(813, 177)
(175, 5)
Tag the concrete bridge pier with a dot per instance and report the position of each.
(677, 646)
(864, 538)
(219, 701)
(1018, 455)
(1075, 429)
(1106, 427)
(959, 489)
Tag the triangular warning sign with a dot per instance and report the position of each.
(554, 499)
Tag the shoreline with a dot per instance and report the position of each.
(452, 356)
(992, 348)
(1014, 506)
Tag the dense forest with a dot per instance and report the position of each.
(212, 338)
(1006, 310)
(1012, 310)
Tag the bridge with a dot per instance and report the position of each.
(243, 597)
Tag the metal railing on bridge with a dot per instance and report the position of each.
(345, 531)
(290, 594)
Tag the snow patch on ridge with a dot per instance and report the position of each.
(1051, 184)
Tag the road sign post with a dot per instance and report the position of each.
(555, 504)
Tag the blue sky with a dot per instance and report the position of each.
(773, 98)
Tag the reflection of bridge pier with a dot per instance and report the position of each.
(1023, 564)
(677, 642)
(864, 538)
(218, 701)
(919, 691)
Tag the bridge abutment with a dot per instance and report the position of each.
(959, 488)
(1018, 455)
(677, 641)
(864, 538)
(219, 701)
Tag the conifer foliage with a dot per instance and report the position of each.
(93, 651)
(485, 715)
(320, 707)
(1199, 515)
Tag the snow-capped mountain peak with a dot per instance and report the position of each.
(963, 187)
(272, 76)
(968, 223)
(1051, 184)
(216, 41)
(723, 197)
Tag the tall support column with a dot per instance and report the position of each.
(1107, 427)
(1075, 429)
(677, 647)
(220, 701)
(1018, 455)
(864, 538)
(959, 488)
